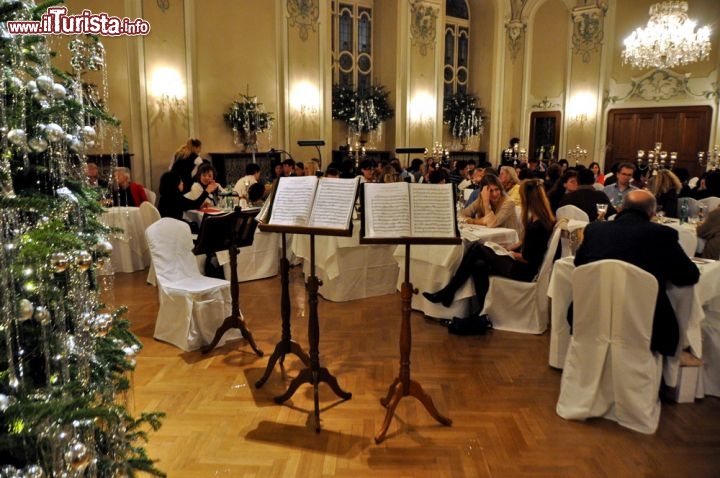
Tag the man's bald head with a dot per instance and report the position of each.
(640, 200)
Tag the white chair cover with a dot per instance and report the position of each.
(711, 353)
(152, 197)
(519, 306)
(192, 306)
(149, 214)
(570, 211)
(610, 370)
(693, 205)
(712, 202)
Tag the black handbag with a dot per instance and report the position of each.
(473, 325)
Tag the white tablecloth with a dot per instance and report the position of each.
(690, 304)
(432, 266)
(130, 250)
(347, 269)
(687, 236)
(257, 261)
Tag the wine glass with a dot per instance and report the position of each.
(601, 210)
(660, 213)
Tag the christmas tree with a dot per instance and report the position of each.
(65, 356)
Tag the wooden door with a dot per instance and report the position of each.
(685, 130)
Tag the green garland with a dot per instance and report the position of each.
(247, 115)
(363, 108)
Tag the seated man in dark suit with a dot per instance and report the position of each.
(587, 197)
(633, 238)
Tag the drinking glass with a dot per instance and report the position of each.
(601, 210)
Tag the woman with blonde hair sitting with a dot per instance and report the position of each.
(521, 261)
(666, 186)
(493, 207)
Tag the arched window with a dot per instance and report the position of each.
(352, 42)
(457, 44)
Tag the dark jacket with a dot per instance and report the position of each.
(174, 205)
(632, 238)
(587, 198)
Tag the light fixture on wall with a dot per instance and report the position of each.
(422, 108)
(168, 90)
(581, 107)
(305, 98)
(668, 40)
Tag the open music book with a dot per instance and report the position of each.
(309, 201)
(395, 210)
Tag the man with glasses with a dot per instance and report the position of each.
(617, 191)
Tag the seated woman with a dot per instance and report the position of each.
(666, 187)
(524, 258)
(203, 179)
(492, 208)
(173, 203)
(566, 184)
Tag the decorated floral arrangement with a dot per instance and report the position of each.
(463, 115)
(246, 115)
(362, 109)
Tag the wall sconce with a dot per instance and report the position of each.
(581, 108)
(422, 108)
(168, 89)
(305, 98)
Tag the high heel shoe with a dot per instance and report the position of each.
(440, 297)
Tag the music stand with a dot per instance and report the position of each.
(410, 151)
(313, 142)
(228, 232)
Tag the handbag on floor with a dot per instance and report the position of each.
(473, 325)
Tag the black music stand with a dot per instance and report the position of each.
(286, 345)
(410, 151)
(228, 232)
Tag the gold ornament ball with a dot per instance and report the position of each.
(26, 309)
(83, 259)
(59, 262)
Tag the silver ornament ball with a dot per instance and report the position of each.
(59, 91)
(54, 132)
(77, 456)
(44, 83)
(38, 144)
(17, 136)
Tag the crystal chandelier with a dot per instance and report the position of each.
(668, 40)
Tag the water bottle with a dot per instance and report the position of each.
(684, 212)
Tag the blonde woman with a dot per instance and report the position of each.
(492, 208)
(510, 181)
(666, 187)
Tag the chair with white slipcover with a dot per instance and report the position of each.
(563, 215)
(518, 306)
(609, 370)
(152, 197)
(711, 202)
(149, 214)
(192, 306)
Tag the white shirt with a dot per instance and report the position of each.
(242, 187)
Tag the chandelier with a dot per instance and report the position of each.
(668, 40)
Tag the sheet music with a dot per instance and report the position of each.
(293, 201)
(334, 202)
(433, 211)
(386, 210)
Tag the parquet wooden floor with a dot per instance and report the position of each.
(497, 389)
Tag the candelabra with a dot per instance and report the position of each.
(656, 158)
(517, 154)
(440, 154)
(711, 158)
(577, 154)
